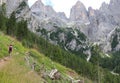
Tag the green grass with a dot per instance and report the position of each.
(16, 69)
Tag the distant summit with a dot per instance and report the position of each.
(79, 12)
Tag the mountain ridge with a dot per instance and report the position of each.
(96, 25)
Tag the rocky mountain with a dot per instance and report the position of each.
(62, 15)
(103, 24)
(76, 33)
(42, 11)
(39, 9)
(79, 13)
(54, 27)
(22, 12)
(11, 5)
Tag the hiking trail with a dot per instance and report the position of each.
(4, 61)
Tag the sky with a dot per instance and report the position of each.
(66, 5)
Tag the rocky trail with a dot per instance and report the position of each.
(4, 61)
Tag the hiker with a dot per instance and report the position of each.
(10, 49)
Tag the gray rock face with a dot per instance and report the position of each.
(11, 5)
(103, 24)
(98, 25)
(22, 11)
(62, 16)
(92, 16)
(79, 13)
(114, 7)
(42, 11)
(50, 12)
(47, 17)
(72, 45)
(110, 11)
(38, 9)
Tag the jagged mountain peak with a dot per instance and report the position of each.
(79, 3)
(49, 11)
(104, 4)
(45, 11)
(104, 7)
(38, 9)
(114, 4)
(114, 1)
(37, 3)
(79, 13)
(91, 11)
(62, 15)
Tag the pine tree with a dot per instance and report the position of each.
(22, 30)
(11, 25)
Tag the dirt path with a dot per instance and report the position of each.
(4, 61)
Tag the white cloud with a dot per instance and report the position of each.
(31, 2)
(65, 5)
(48, 2)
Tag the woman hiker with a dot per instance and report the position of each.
(10, 49)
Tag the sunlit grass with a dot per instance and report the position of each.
(17, 71)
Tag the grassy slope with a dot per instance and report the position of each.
(16, 69)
